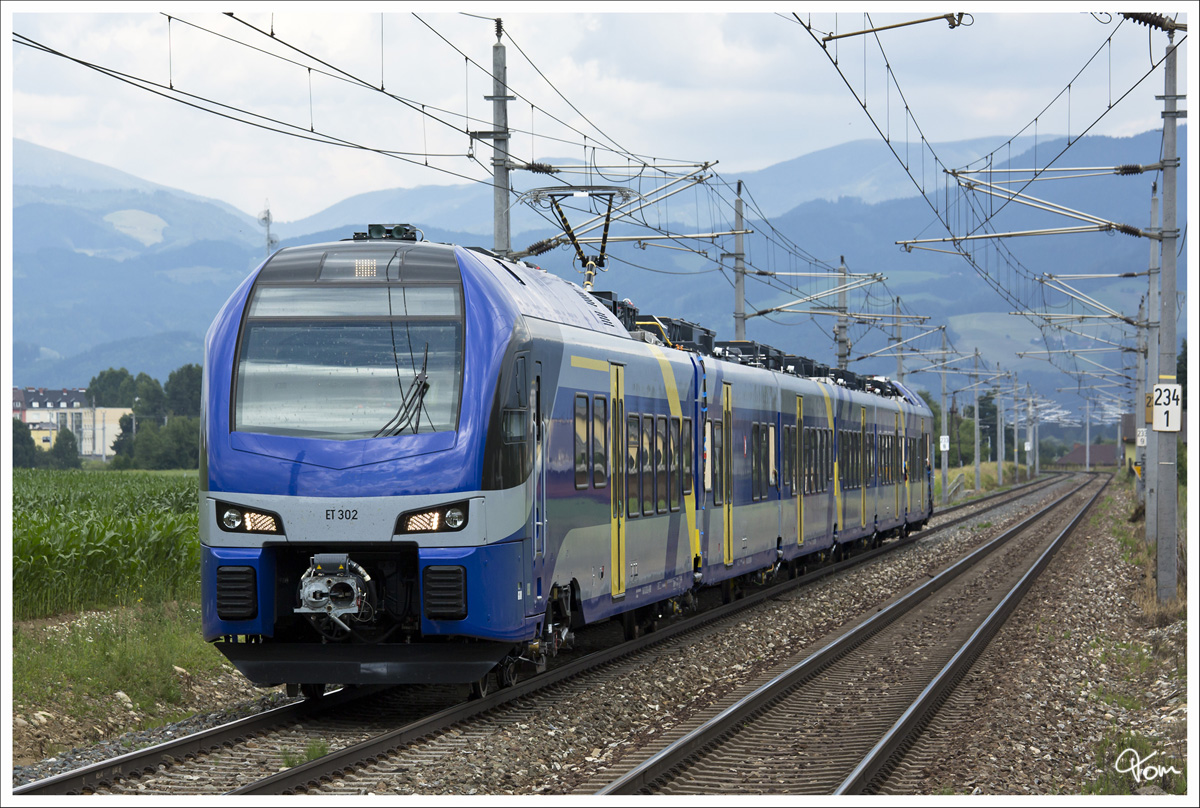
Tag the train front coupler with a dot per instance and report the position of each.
(334, 590)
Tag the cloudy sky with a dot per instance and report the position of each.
(747, 89)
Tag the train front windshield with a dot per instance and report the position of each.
(348, 362)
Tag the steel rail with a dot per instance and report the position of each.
(896, 739)
(77, 781)
(645, 773)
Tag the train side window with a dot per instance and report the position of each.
(662, 465)
(786, 478)
(715, 452)
(806, 469)
(582, 422)
(648, 464)
(633, 442)
(827, 478)
(706, 459)
(755, 476)
(599, 438)
(772, 466)
(675, 468)
(685, 456)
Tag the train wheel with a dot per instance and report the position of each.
(506, 673)
(481, 688)
(312, 692)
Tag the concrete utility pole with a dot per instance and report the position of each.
(1016, 433)
(1029, 431)
(999, 439)
(899, 358)
(1168, 442)
(843, 346)
(975, 386)
(1139, 452)
(499, 135)
(739, 271)
(1087, 438)
(1150, 469)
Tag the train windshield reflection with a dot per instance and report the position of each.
(327, 375)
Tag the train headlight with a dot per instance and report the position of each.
(433, 520)
(235, 519)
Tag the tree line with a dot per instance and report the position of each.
(161, 432)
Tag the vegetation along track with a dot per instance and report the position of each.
(839, 720)
(248, 751)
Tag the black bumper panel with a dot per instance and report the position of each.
(268, 663)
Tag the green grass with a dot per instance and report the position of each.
(94, 540)
(74, 668)
(1119, 766)
(315, 749)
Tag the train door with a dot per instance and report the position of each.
(799, 472)
(618, 480)
(727, 469)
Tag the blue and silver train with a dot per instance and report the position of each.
(424, 463)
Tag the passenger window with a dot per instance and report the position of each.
(675, 467)
(599, 442)
(581, 441)
(685, 461)
(648, 464)
(716, 450)
(755, 465)
(633, 441)
(661, 465)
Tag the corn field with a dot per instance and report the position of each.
(93, 540)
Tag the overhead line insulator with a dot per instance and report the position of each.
(539, 247)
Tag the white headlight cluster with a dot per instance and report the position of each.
(433, 520)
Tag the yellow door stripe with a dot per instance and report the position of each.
(689, 500)
(588, 363)
(617, 500)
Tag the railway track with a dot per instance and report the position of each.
(839, 720)
(245, 757)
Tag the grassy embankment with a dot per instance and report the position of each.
(105, 592)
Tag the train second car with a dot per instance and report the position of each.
(421, 462)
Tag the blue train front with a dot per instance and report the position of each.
(366, 446)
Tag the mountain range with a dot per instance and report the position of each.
(110, 270)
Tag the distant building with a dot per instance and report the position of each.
(1098, 454)
(46, 411)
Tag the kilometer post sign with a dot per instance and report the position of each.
(1167, 403)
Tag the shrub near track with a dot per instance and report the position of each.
(95, 540)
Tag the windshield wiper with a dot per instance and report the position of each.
(410, 403)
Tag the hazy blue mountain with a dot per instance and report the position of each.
(111, 270)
